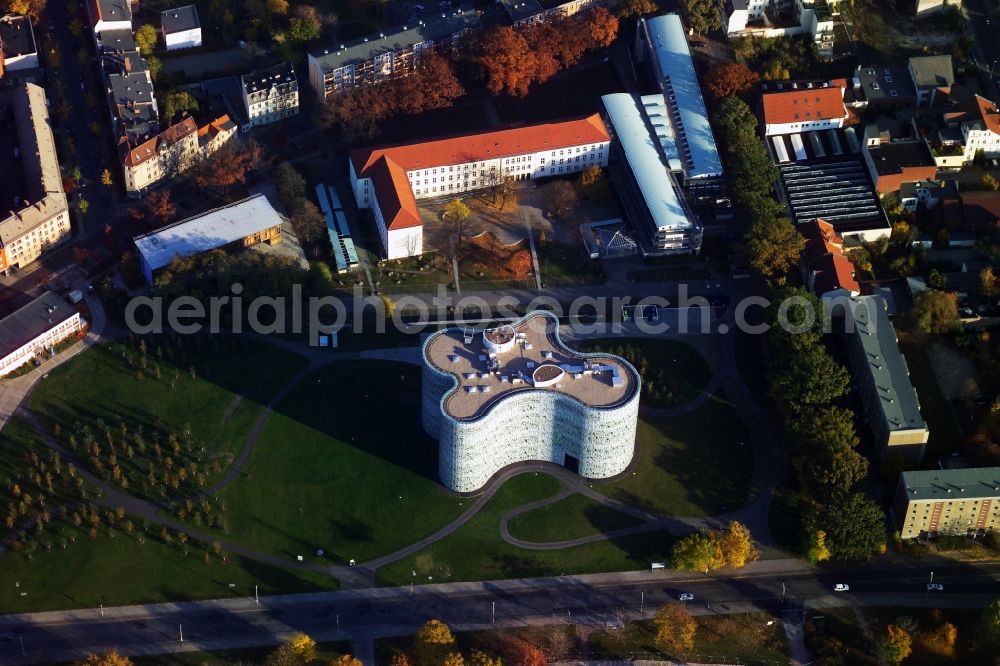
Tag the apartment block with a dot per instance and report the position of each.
(390, 179)
(270, 95)
(386, 55)
(42, 220)
(947, 501)
(882, 379)
(932, 76)
(109, 15)
(33, 329)
(215, 135)
(180, 28)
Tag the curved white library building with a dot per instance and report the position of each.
(516, 393)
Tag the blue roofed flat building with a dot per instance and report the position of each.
(662, 41)
(639, 160)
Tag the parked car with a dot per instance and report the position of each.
(6, 637)
(841, 587)
(686, 596)
(935, 587)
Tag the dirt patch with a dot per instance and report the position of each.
(231, 408)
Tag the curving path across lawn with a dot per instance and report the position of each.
(726, 376)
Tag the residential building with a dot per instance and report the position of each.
(926, 192)
(662, 43)
(927, 7)
(238, 225)
(271, 94)
(962, 501)
(769, 19)
(163, 155)
(18, 51)
(134, 113)
(215, 134)
(390, 179)
(932, 76)
(33, 329)
(803, 107)
(826, 270)
(739, 13)
(517, 393)
(109, 15)
(41, 221)
(884, 88)
(386, 55)
(117, 41)
(640, 164)
(523, 12)
(882, 379)
(180, 28)
(892, 163)
(973, 124)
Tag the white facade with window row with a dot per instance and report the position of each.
(563, 407)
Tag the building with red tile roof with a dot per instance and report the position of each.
(803, 108)
(825, 268)
(390, 179)
(161, 156)
(978, 121)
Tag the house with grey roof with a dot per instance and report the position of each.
(882, 378)
(964, 501)
(931, 75)
(18, 51)
(180, 28)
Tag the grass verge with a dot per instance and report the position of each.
(573, 517)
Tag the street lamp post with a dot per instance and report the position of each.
(180, 628)
(642, 600)
(494, 620)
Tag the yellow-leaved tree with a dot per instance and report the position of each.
(433, 644)
(111, 658)
(675, 629)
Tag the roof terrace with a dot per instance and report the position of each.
(492, 364)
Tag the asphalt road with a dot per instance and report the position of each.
(596, 600)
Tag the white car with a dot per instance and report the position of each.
(935, 587)
(841, 587)
(686, 596)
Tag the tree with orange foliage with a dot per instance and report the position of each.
(509, 64)
(602, 25)
(521, 652)
(520, 265)
(729, 78)
(433, 85)
(160, 206)
(231, 165)
(400, 659)
(942, 640)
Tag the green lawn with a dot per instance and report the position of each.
(212, 386)
(699, 464)
(672, 372)
(477, 552)
(342, 465)
(562, 265)
(719, 639)
(573, 517)
(119, 570)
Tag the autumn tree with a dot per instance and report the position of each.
(309, 223)
(433, 643)
(481, 658)
(145, 38)
(935, 311)
(773, 247)
(701, 16)
(988, 182)
(941, 640)
(675, 629)
(895, 645)
(736, 545)
(630, 8)
(560, 197)
(176, 101)
(290, 185)
(602, 26)
(233, 164)
(31, 8)
(110, 658)
(988, 283)
(160, 206)
(591, 183)
(700, 551)
(816, 549)
(346, 660)
(106, 178)
(729, 78)
(298, 650)
(456, 215)
(509, 64)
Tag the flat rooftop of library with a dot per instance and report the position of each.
(537, 360)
